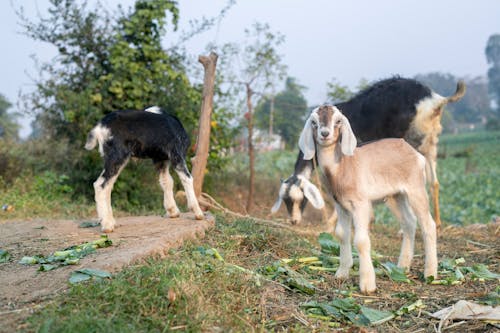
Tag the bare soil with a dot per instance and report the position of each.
(24, 288)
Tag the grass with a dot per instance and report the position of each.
(188, 291)
(192, 291)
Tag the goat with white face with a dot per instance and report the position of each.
(141, 134)
(298, 189)
(357, 177)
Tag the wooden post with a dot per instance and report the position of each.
(199, 161)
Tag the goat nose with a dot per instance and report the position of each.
(325, 133)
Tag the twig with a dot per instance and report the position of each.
(301, 319)
(477, 243)
(457, 324)
(419, 330)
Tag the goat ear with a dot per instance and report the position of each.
(276, 205)
(313, 194)
(348, 141)
(306, 141)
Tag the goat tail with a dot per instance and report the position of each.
(458, 94)
(91, 140)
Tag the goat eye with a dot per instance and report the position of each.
(313, 122)
(338, 122)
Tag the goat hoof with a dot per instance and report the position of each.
(174, 216)
(367, 287)
(107, 230)
(199, 216)
(429, 274)
(342, 274)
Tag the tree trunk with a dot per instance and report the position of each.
(251, 185)
(199, 161)
(271, 117)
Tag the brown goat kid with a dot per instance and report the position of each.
(357, 177)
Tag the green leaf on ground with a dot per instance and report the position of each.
(89, 224)
(481, 271)
(346, 310)
(376, 317)
(395, 273)
(85, 274)
(4, 256)
(28, 261)
(328, 244)
(68, 256)
(77, 277)
(46, 267)
(492, 298)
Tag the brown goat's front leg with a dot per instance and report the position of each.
(343, 233)
(361, 220)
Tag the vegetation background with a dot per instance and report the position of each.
(108, 61)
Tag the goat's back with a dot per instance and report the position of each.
(385, 109)
(146, 134)
(384, 167)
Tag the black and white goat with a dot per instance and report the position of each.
(391, 108)
(357, 177)
(142, 134)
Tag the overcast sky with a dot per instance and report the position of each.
(348, 40)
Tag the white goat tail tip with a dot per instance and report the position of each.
(153, 109)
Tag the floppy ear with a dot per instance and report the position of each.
(306, 141)
(313, 194)
(276, 205)
(348, 141)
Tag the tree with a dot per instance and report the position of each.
(105, 63)
(290, 109)
(8, 126)
(261, 67)
(493, 58)
(336, 92)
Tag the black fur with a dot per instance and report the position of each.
(142, 134)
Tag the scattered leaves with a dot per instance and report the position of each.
(68, 256)
(4, 256)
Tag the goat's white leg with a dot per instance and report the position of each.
(102, 206)
(103, 187)
(420, 205)
(167, 184)
(343, 232)
(361, 220)
(408, 225)
(187, 183)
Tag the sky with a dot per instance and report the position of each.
(325, 39)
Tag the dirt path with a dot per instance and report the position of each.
(134, 239)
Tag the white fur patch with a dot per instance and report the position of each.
(425, 111)
(102, 134)
(153, 109)
(296, 193)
